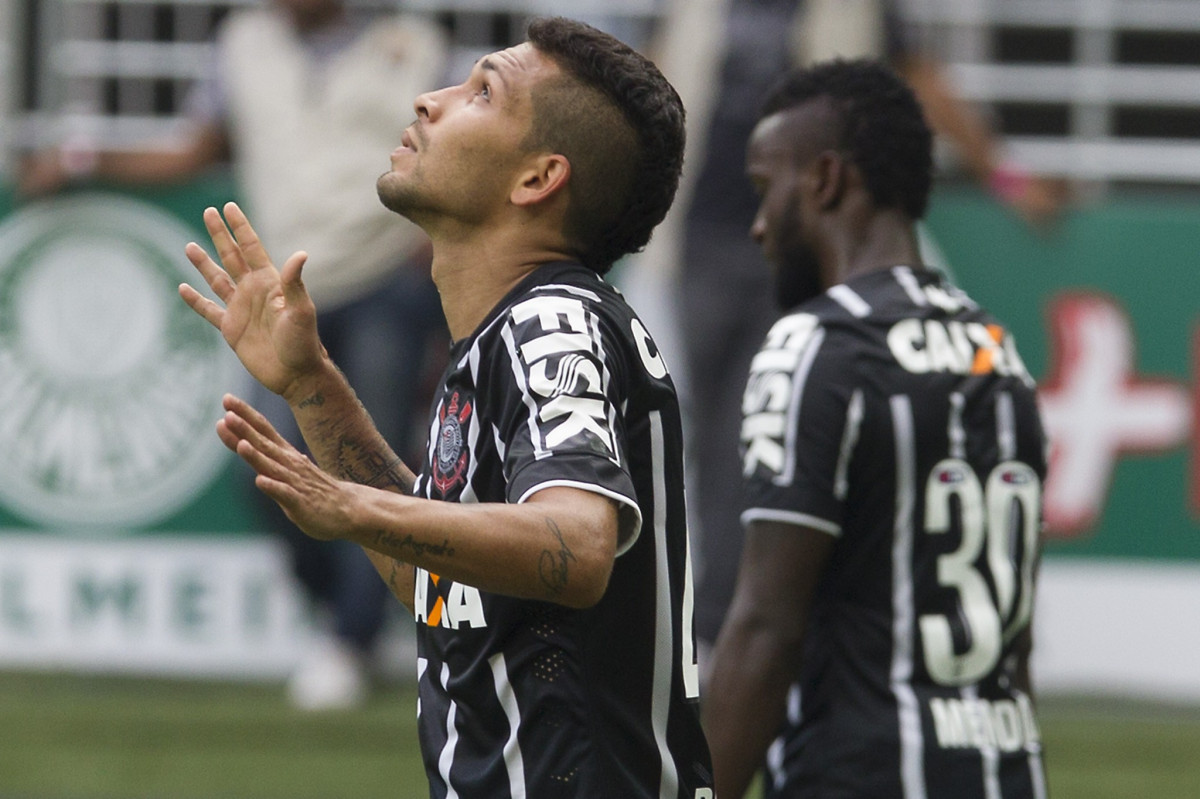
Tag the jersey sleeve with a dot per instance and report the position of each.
(799, 426)
(561, 425)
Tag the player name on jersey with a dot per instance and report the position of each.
(1005, 724)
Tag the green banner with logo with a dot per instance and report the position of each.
(1104, 307)
(110, 385)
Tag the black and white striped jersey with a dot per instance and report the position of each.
(562, 386)
(893, 413)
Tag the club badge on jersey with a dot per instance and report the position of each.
(450, 463)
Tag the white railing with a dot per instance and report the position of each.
(79, 71)
(1092, 87)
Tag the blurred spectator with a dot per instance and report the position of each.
(308, 97)
(723, 55)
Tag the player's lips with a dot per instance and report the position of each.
(407, 144)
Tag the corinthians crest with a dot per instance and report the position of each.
(451, 456)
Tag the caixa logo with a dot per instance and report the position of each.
(109, 384)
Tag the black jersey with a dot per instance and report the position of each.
(562, 386)
(894, 414)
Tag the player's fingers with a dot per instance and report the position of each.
(248, 415)
(227, 248)
(282, 493)
(293, 286)
(251, 247)
(216, 277)
(239, 427)
(212, 313)
(227, 436)
(261, 462)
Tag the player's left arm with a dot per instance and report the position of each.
(558, 546)
(758, 651)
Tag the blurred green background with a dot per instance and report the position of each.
(75, 737)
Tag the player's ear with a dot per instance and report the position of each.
(831, 172)
(545, 177)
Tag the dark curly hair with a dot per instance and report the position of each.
(620, 125)
(882, 127)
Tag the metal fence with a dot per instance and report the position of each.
(1102, 90)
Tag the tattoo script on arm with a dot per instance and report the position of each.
(409, 545)
(554, 566)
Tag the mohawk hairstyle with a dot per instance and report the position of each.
(619, 122)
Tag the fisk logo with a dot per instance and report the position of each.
(769, 393)
(565, 377)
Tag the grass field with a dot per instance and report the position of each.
(74, 737)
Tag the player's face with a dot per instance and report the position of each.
(781, 226)
(459, 158)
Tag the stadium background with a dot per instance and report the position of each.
(126, 548)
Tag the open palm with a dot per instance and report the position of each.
(267, 318)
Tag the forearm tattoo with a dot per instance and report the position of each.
(370, 467)
(315, 400)
(554, 566)
(398, 546)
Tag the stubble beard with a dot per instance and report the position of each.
(399, 195)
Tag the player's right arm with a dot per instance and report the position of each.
(757, 655)
(269, 321)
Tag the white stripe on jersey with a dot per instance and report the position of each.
(422, 664)
(987, 752)
(605, 380)
(687, 636)
(514, 359)
(578, 292)
(776, 752)
(790, 517)
(446, 759)
(912, 287)
(955, 432)
(793, 418)
(514, 762)
(1037, 773)
(849, 299)
(1006, 426)
(854, 418)
(912, 743)
(664, 633)
(431, 442)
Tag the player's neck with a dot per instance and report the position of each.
(884, 240)
(472, 277)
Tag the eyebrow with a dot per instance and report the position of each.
(488, 65)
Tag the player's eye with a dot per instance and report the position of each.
(485, 91)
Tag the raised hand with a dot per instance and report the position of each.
(314, 500)
(267, 317)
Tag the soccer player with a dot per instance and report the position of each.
(542, 547)
(894, 460)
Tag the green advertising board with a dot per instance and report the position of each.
(111, 384)
(127, 539)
